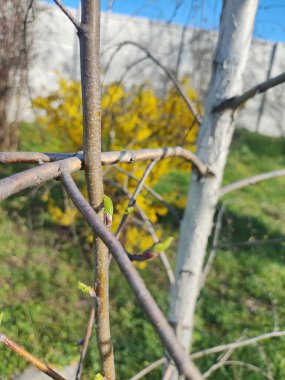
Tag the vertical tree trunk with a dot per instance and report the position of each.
(214, 139)
(89, 37)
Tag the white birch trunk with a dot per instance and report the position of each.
(236, 27)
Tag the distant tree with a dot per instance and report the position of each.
(15, 44)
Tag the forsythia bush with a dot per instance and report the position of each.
(134, 118)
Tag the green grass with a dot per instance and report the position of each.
(41, 264)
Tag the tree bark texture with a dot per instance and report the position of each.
(89, 37)
(214, 139)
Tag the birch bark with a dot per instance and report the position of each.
(235, 33)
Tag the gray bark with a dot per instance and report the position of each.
(214, 139)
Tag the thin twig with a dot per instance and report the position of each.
(149, 226)
(250, 243)
(251, 181)
(85, 343)
(213, 252)
(247, 365)
(149, 189)
(221, 362)
(163, 256)
(132, 201)
(168, 73)
(247, 342)
(66, 11)
(146, 300)
(148, 369)
(236, 101)
(30, 358)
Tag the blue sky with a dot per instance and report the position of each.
(270, 21)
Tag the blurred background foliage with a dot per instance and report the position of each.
(46, 246)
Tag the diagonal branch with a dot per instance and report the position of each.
(35, 177)
(148, 369)
(67, 12)
(30, 358)
(146, 300)
(251, 181)
(168, 73)
(155, 194)
(247, 342)
(236, 101)
(85, 343)
(133, 198)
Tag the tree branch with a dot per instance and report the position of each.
(236, 101)
(133, 198)
(65, 10)
(29, 358)
(243, 364)
(168, 73)
(213, 252)
(109, 158)
(85, 343)
(89, 39)
(148, 369)
(251, 181)
(36, 176)
(247, 342)
(155, 194)
(146, 300)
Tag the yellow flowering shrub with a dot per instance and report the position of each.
(134, 118)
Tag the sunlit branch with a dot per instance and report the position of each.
(85, 343)
(109, 158)
(133, 198)
(213, 251)
(247, 342)
(251, 181)
(149, 189)
(167, 72)
(148, 369)
(236, 101)
(30, 358)
(146, 300)
(37, 176)
(67, 12)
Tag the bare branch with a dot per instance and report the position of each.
(251, 181)
(110, 158)
(148, 369)
(247, 342)
(133, 198)
(147, 223)
(67, 12)
(146, 300)
(30, 358)
(244, 364)
(250, 243)
(221, 362)
(85, 343)
(35, 177)
(151, 191)
(89, 39)
(168, 73)
(213, 252)
(236, 101)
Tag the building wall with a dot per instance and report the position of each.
(186, 51)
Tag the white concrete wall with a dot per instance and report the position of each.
(56, 53)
